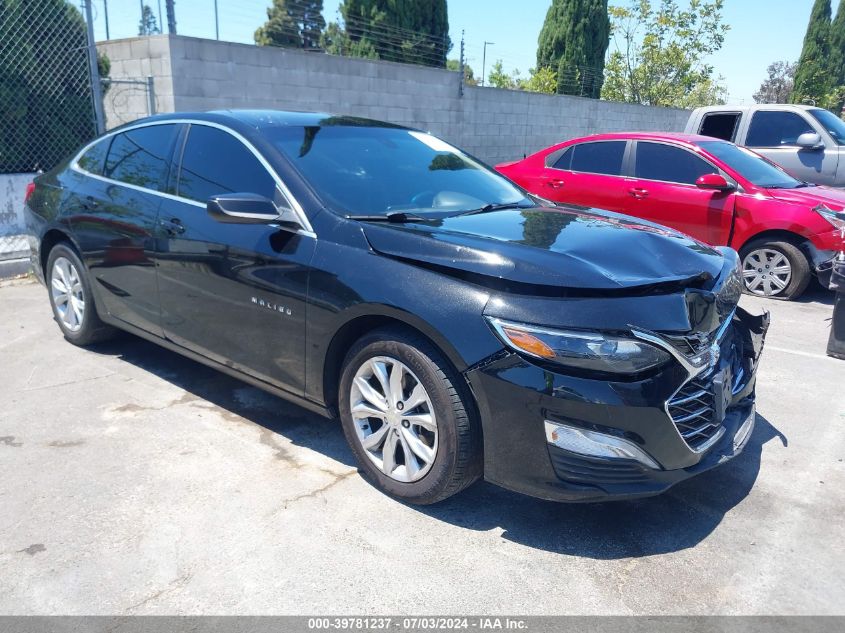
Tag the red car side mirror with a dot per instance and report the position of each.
(716, 182)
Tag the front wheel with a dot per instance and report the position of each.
(775, 269)
(408, 418)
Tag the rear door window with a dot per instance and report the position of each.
(720, 125)
(94, 157)
(668, 163)
(604, 157)
(214, 162)
(141, 156)
(771, 128)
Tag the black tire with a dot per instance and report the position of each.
(91, 329)
(800, 267)
(458, 459)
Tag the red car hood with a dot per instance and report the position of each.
(812, 196)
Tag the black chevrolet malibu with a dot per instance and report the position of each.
(457, 326)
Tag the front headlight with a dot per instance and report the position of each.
(836, 218)
(587, 351)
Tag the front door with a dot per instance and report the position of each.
(663, 190)
(232, 292)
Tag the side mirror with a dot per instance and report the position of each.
(810, 140)
(715, 182)
(249, 208)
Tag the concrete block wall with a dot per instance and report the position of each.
(496, 125)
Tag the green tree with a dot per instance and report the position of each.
(540, 80)
(148, 24)
(573, 43)
(659, 55)
(812, 77)
(292, 23)
(777, 87)
(837, 53)
(469, 75)
(45, 97)
(409, 31)
(498, 78)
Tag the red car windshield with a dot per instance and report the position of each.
(751, 166)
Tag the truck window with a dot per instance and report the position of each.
(720, 125)
(771, 128)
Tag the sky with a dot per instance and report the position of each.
(762, 31)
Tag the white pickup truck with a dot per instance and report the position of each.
(806, 141)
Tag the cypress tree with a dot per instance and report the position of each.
(573, 42)
(812, 77)
(837, 46)
(410, 31)
(292, 23)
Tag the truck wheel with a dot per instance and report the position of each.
(408, 417)
(774, 269)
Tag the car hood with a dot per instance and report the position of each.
(812, 196)
(556, 247)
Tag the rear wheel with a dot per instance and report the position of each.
(775, 269)
(71, 298)
(408, 418)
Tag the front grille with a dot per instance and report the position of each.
(693, 409)
(595, 471)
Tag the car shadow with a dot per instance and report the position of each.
(816, 293)
(676, 520)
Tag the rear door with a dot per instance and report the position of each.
(774, 134)
(589, 174)
(232, 292)
(118, 202)
(663, 190)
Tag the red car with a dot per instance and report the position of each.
(784, 229)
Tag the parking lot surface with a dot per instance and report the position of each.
(135, 481)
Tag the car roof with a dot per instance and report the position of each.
(258, 119)
(677, 137)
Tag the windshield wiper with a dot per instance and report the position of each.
(487, 208)
(393, 216)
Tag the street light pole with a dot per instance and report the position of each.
(484, 60)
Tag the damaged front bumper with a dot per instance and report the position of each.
(567, 438)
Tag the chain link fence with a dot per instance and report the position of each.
(45, 88)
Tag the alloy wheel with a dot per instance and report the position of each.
(394, 419)
(68, 294)
(766, 272)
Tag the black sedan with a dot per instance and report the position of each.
(459, 328)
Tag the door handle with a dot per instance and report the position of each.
(638, 192)
(555, 184)
(173, 226)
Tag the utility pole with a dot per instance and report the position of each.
(94, 72)
(142, 30)
(106, 11)
(484, 60)
(216, 21)
(171, 17)
(160, 21)
(461, 67)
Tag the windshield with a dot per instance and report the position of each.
(750, 166)
(375, 171)
(832, 123)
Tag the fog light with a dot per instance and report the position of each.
(595, 444)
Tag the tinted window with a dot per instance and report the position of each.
(750, 166)
(721, 126)
(140, 156)
(216, 162)
(92, 160)
(564, 161)
(832, 123)
(656, 161)
(599, 158)
(773, 129)
(369, 170)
